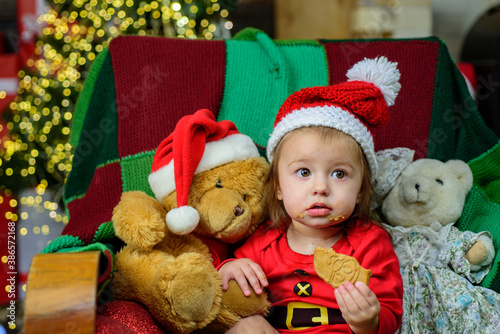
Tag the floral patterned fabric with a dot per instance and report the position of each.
(439, 291)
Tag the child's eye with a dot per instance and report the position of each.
(338, 174)
(303, 172)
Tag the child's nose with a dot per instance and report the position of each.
(321, 187)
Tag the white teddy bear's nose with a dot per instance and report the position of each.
(418, 190)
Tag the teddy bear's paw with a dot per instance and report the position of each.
(149, 236)
(235, 305)
(145, 233)
(476, 254)
(190, 287)
(481, 253)
(139, 220)
(234, 301)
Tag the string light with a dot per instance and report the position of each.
(72, 33)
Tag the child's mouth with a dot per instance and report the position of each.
(321, 210)
(318, 210)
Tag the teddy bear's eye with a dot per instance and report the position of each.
(218, 185)
(439, 181)
(244, 198)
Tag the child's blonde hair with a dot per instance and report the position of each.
(277, 211)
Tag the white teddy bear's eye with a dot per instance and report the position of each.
(439, 181)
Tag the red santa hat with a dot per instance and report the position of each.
(198, 143)
(353, 107)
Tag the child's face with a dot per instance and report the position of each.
(319, 180)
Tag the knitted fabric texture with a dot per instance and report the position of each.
(86, 96)
(144, 85)
(487, 173)
(92, 209)
(163, 86)
(97, 141)
(411, 108)
(261, 74)
(480, 214)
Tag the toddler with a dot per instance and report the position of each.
(322, 169)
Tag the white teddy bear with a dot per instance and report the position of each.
(439, 263)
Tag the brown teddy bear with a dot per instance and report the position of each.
(213, 196)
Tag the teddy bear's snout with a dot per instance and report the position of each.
(411, 193)
(418, 190)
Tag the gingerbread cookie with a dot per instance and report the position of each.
(336, 269)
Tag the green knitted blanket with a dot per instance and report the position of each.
(140, 86)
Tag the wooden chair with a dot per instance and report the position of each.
(140, 86)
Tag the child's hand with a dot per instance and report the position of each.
(244, 271)
(359, 307)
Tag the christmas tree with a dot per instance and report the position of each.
(72, 33)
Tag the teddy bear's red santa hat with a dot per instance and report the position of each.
(198, 143)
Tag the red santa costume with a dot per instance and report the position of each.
(303, 300)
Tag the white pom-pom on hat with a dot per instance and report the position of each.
(182, 220)
(381, 72)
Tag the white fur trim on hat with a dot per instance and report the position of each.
(182, 220)
(328, 116)
(217, 153)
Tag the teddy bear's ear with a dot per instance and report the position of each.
(463, 173)
(391, 162)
